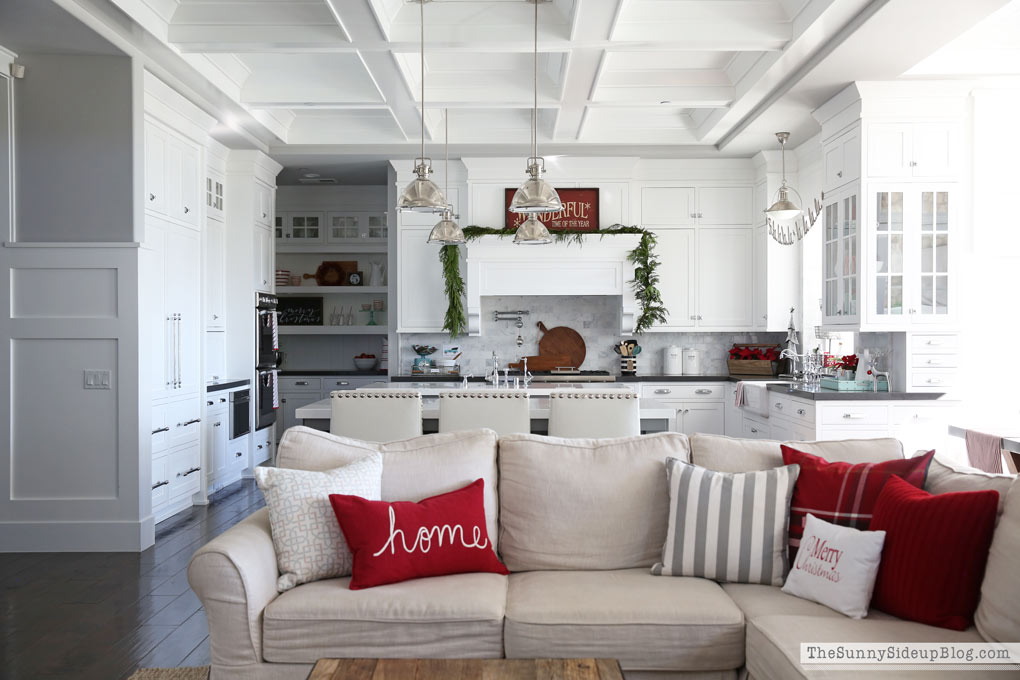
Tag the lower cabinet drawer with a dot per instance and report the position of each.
(851, 415)
(685, 391)
(160, 482)
(755, 429)
(261, 449)
(932, 379)
(935, 342)
(184, 470)
(299, 384)
(787, 407)
(160, 428)
(935, 361)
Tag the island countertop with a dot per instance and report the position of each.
(822, 394)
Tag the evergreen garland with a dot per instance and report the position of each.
(644, 283)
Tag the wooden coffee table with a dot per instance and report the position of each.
(466, 669)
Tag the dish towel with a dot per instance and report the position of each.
(984, 451)
(740, 394)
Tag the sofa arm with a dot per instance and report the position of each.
(234, 576)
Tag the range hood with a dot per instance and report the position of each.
(599, 266)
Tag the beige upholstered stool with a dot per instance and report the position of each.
(376, 415)
(588, 414)
(505, 411)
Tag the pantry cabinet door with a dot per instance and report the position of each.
(155, 169)
(675, 249)
(422, 296)
(724, 205)
(724, 278)
(668, 206)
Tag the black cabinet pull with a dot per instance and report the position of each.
(161, 429)
(185, 474)
(159, 484)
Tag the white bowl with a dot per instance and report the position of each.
(365, 364)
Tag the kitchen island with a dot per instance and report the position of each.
(655, 416)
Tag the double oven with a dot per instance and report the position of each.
(267, 358)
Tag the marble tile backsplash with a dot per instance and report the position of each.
(596, 318)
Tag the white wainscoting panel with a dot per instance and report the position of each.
(46, 292)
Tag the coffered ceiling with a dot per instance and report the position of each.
(642, 77)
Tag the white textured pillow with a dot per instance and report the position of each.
(836, 566)
(307, 537)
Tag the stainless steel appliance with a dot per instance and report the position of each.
(265, 398)
(267, 358)
(240, 416)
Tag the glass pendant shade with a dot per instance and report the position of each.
(535, 196)
(784, 208)
(447, 232)
(532, 233)
(422, 194)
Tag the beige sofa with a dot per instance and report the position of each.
(579, 524)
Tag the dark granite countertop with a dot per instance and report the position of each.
(820, 394)
(672, 378)
(221, 385)
(327, 372)
(434, 378)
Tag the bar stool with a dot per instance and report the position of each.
(506, 412)
(594, 415)
(375, 415)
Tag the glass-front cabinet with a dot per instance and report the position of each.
(356, 227)
(841, 250)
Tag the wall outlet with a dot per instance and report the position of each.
(97, 379)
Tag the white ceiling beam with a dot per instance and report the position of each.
(694, 96)
(596, 20)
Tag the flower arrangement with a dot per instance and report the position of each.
(848, 362)
(739, 353)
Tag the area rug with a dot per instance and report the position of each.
(192, 673)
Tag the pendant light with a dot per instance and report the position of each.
(422, 194)
(447, 232)
(783, 208)
(535, 196)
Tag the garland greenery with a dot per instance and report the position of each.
(645, 281)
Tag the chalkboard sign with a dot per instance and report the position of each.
(299, 311)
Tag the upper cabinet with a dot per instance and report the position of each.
(172, 175)
(263, 205)
(890, 235)
(214, 188)
(666, 206)
(912, 151)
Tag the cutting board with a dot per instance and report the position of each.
(543, 363)
(562, 341)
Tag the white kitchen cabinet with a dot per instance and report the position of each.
(699, 407)
(840, 258)
(733, 414)
(238, 455)
(725, 206)
(184, 468)
(215, 185)
(264, 213)
(706, 418)
(843, 160)
(724, 268)
(422, 297)
(357, 227)
(300, 228)
(173, 309)
(911, 273)
(214, 265)
(262, 446)
(172, 175)
(215, 432)
(755, 428)
(677, 277)
(264, 279)
(912, 150)
(215, 356)
(668, 206)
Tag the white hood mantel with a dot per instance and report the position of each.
(599, 266)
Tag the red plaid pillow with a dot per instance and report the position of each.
(841, 493)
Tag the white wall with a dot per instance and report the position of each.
(73, 122)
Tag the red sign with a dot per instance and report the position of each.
(580, 211)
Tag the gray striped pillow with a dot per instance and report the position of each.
(729, 527)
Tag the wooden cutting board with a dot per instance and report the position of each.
(560, 341)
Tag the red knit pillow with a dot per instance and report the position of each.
(399, 541)
(841, 493)
(935, 551)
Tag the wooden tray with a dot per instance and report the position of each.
(561, 341)
(333, 273)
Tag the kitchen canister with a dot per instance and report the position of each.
(691, 361)
(672, 360)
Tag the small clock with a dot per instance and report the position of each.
(354, 278)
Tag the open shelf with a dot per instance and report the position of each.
(331, 290)
(332, 248)
(334, 330)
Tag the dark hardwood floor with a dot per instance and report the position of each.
(101, 616)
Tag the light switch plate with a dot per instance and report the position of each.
(97, 379)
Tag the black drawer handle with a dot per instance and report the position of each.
(185, 474)
(189, 422)
(159, 484)
(161, 429)
(238, 454)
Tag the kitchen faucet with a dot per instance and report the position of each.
(493, 375)
(525, 374)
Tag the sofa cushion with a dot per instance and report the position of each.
(309, 544)
(727, 454)
(444, 616)
(773, 645)
(584, 503)
(945, 476)
(853, 451)
(727, 526)
(756, 600)
(413, 469)
(648, 623)
(998, 612)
